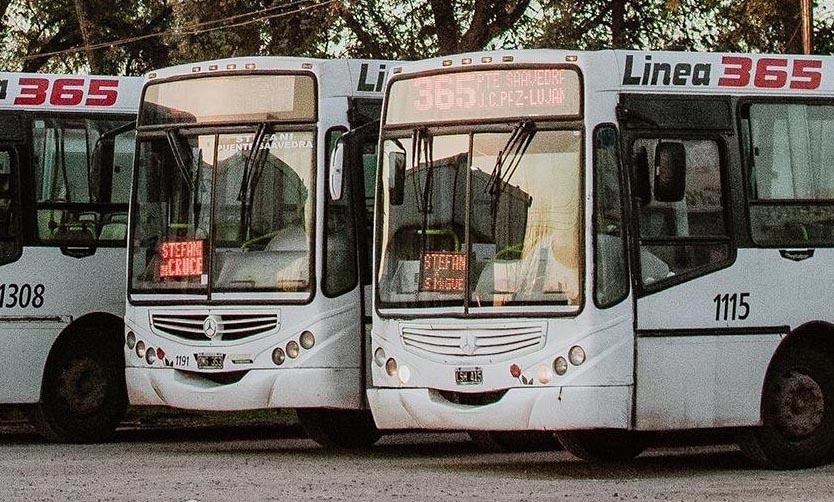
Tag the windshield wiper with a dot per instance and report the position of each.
(252, 168)
(182, 157)
(513, 150)
(422, 148)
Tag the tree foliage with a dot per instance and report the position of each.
(134, 36)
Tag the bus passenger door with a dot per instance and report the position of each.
(692, 369)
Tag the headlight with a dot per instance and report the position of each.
(576, 355)
(150, 356)
(307, 340)
(379, 357)
(560, 366)
(292, 349)
(391, 367)
(130, 340)
(278, 356)
(140, 349)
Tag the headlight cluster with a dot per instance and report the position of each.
(544, 373)
(392, 368)
(293, 348)
(149, 354)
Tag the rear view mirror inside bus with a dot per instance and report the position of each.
(337, 170)
(670, 172)
(396, 188)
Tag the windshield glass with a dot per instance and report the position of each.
(521, 243)
(225, 212)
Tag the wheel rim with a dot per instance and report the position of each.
(82, 386)
(799, 405)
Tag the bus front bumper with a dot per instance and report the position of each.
(272, 388)
(543, 408)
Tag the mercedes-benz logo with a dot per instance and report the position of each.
(210, 326)
(468, 344)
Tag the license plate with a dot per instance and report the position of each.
(469, 376)
(210, 361)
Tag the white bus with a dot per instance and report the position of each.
(608, 243)
(66, 153)
(249, 260)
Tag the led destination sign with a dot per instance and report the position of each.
(443, 271)
(483, 95)
(181, 259)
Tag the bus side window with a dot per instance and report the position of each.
(9, 210)
(687, 237)
(788, 149)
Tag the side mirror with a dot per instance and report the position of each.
(396, 189)
(337, 171)
(670, 172)
(642, 188)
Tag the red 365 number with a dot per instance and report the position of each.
(36, 91)
(771, 73)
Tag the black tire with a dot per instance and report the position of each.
(603, 446)
(348, 429)
(515, 441)
(83, 396)
(797, 428)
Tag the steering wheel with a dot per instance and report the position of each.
(268, 235)
(511, 252)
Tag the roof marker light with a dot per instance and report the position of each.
(195, 69)
(249, 66)
(486, 59)
(231, 66)
(307, 66)
(213, 67)
(447, 62)
(571, 58)
(507, 59)
(152, 75)
(466, 61)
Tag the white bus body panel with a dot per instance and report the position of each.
(73, 287)
(716, 381)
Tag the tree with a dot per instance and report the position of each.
(420, 29)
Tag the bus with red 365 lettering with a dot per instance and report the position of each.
(66, 154)
(608, 245)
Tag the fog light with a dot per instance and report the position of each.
(292, 349)
(391, 367)
(278, 356)
(131, 340)
(576, 355)
(379, 357)
(544, 374)
(560, 366)
(150, 355)
(140, 349)
(307, 340)
(404, 374)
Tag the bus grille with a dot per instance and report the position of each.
(464, 341)
(229, 326)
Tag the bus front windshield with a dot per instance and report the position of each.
(226, 212)
(480, 220)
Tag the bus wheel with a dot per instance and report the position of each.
(797, 413)
(339, 428)
(603, 445)
(83, 397)
(510, 441)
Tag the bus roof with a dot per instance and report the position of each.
(338, 77)
(53, 92)
(660, 72)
